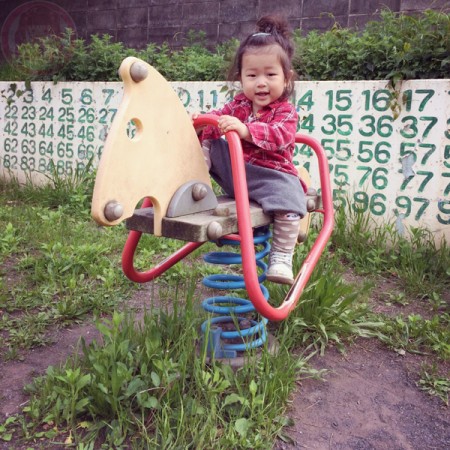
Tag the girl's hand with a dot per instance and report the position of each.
(230, 123)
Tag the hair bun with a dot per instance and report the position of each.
(274, 25)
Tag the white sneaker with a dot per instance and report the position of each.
(280, 268)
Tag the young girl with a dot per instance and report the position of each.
(266, 122)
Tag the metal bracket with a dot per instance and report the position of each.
(191, 197)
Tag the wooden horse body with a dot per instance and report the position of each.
(163, 155)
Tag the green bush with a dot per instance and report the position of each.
(67, 59)
(194, 62)
(396, 47)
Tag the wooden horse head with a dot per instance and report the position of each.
(163, 154)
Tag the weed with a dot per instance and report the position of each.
(437, 302)
(145, 384)
(28, 330)
(329, 309)
(398, 298)
(9, 240)
(434, 384)
(418, 335)
(6, 428)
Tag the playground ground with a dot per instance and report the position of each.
(368, 398)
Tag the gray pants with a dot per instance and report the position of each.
(275, 191)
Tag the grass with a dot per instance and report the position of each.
(421, 266)
(329, 311)
(147, 386)
(418, 335)
(146, 383)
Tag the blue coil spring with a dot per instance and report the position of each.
(232, 308)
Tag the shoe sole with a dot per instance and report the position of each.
(280, 279)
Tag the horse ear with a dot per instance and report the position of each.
(150, 151)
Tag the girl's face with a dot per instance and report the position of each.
(262, 76)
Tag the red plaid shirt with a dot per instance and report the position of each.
(272, 129)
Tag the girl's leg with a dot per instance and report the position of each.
(206, 148)
(285, 233)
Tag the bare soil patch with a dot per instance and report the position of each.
(15, 374)
(369, 400)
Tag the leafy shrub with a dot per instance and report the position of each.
(193, 63)
(411, 47)
(396, 47)
(63, 58)
(49, 55)
(99, 60)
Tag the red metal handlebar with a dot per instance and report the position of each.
(246, 232)
(130, 249)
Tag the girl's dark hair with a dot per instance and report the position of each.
(271, 30)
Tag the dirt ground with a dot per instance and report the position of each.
(368, 399)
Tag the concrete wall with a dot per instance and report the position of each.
(393, 162)
(137, 22)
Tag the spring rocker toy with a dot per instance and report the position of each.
(162, 163)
